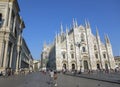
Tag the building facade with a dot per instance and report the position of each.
(45, 56)
(36, 65)
(25, 58)
(117, 61)
(11, 40)
(79, 49)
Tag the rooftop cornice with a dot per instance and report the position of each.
(13, 1)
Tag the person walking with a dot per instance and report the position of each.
(51, 76)
(55, 77)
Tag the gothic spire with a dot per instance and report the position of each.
(56, 36)
(66, 30)
(97, 36)
(87, 24)
(61, 29)
(97, 33)
(73, 23)
(76, 24)
(44, 44)
(107, 39)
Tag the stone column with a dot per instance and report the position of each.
(2, 45)
(5, 54)
(6, 15)
(17, 62)
(10, 14)
(20, 61)
(11, 55)
(1, 54)
(29, 64)
(14, 24)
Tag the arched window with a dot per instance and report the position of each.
(71, 47)
(82, 37)
(72, 55)
(63, 55)
(95, 47)
(96, 55)
(104, 55)
(83, 49)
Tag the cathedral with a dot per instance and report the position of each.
(79, 49)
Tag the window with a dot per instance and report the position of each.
(83, 49)
(82, 37)
(63, 55)
(0, 19)
(96, 55)
(72, 55)
(104, 55)
(12, 20)
(71, 47)
(15, 32)
(95, 47)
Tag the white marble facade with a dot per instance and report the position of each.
(79, 49)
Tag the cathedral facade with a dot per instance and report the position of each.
(79, 49)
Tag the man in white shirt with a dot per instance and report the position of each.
(51, 76)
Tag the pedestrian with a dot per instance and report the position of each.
(0, 73)
(4, 73)
(51, 76)
(55, 78)
(64, 70)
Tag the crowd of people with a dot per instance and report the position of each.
(53, 76)
(9, 72)
(6, 72)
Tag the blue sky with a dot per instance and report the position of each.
(43, 18)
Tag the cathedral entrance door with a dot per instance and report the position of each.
(106, 66)
(64, 66)
(86, 65)
(98, 66)
(73, 66)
